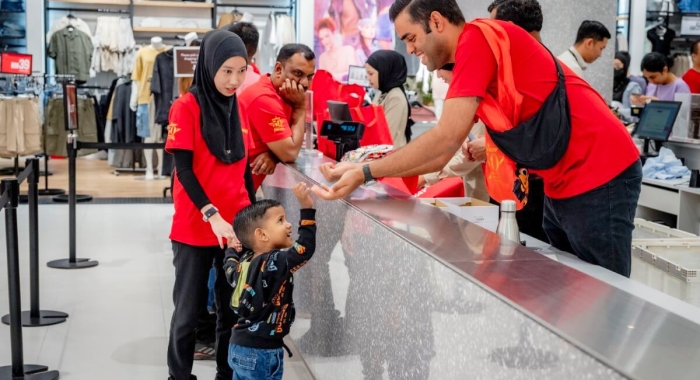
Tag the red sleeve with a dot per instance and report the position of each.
(182, 125)
(475, 65)
(268, 118)
(245, 127)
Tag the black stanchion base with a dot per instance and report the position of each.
(31, 372)
(80, 198)
(51, 192)
(66, 264)
(46, 318)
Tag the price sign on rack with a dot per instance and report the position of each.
(185, 61)
(16, 63)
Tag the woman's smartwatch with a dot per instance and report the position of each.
(369, 180)
(211, 211)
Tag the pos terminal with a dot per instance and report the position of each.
(345, 133)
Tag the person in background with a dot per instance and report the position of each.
(493, 7)
(591, 39)
(368, 43)
(526, 14)
(623, 87)
(337, 58)
(460, 166)
(213, 183)
(386, 72)
(692, 77)
(663, 84)
(276, 107)
(250, 36)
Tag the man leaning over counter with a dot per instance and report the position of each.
(591, 191)
(276, 107)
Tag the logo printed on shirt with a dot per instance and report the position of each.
(172, 131)
(277, 124)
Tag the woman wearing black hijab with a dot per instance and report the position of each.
(210, 147)
(623, 87)
(386, 71)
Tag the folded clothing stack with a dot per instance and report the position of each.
(12, 6)
(12, 30)
(665, 166)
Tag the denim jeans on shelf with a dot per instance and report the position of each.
(597, 226)
(256, 364)
(12, 6)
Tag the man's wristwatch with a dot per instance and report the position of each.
(211, 211)
(369, 180)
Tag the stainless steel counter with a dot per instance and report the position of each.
(400, 287)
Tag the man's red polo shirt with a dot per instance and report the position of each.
(268, 117)
(600, 147)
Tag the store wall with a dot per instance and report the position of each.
(561, 22)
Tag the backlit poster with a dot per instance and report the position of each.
(348, 31)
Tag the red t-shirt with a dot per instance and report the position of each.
(692, 78)
(600, 147)
(268, 117)
(223, 184)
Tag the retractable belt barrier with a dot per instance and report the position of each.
(18, 370)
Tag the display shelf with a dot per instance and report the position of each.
(8, 11)
(144, 29)
(172, 4)
(92, 2)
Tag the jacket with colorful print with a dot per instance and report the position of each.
(262, 296)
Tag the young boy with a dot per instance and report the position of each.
(263, 282)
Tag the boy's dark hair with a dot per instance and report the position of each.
(249, 34)
(592, 29)
(420, 10)
(694, 47)
(495, 4)
(289, 50)
(526, 14)
(655, 63)
(251, 218)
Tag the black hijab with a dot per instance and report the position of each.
(393, 71)
(620, 78)
(221, 126)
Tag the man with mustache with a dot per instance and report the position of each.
(275, 108)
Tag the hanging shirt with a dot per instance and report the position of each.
(668, 91)
(72, 50)
(600, 148)
(143, 71)
(162, 85)
(269, 118)
(692, 79)
(223, 184)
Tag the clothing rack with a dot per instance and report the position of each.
(100, 10)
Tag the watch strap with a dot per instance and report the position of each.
(367, 173)
(211, 211)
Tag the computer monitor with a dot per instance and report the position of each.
(339, 111)
(358, 75)
(657, 120)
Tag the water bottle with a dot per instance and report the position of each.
(507, 225)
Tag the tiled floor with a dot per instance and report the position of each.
(119, 311)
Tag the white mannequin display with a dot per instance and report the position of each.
(157, 44)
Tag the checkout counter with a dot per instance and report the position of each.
(402, 288)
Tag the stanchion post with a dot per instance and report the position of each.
(72, 262)
(11, 186)
(17, 370)
(35, 317)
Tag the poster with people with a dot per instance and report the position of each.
(348, 31)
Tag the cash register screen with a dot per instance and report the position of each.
(657, 120)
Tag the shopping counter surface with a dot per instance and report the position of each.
(400, 287)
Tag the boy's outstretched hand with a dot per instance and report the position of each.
(301, 191)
